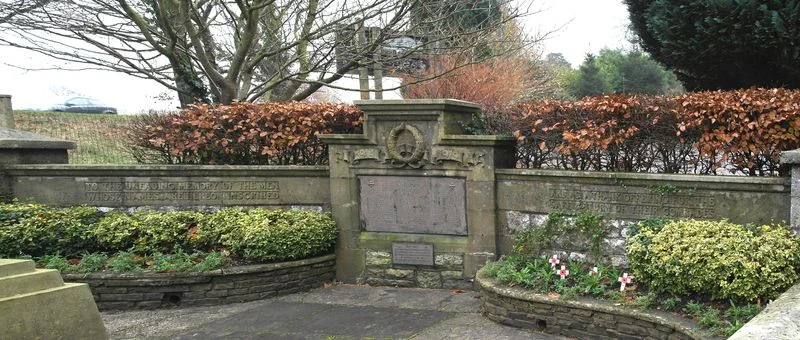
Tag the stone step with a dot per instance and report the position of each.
(65, 312)
(39, 279)
(10, 267)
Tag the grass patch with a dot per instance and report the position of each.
(100, 138)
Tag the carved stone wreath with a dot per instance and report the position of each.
(405, 158)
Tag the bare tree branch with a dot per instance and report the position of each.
(250, 50)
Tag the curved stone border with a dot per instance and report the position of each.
(580, 319)
(114, 291)
(780, 320)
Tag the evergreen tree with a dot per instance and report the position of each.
(590, 81)
(722, 44)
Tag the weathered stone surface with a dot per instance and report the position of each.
(175, 186)
(517, 221)
(452, 274)
(780, 320)
(408, 204)
(378, 258)
(46, 308)
(614, 246)
(449, 260)
(426, 279)
(399, 273)
(738, 199)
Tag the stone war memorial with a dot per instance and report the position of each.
(414, 195)
(417, 200)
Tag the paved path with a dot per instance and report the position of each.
(341, 312)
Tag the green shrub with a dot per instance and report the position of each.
(146, 232)
(91, 262)
(211, 261)
(36, 230)
(125, 261)
(164, 231)
(277, 235)
(214, 230)
(55, 262)
(117, 231)
(55, 235)
(717, 259)
(177, 262)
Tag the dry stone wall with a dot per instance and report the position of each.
(578, 319)
(114, 291)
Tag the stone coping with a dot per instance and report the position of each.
(780, 320)
(144, 170)
(744, 183)
(147, 290)
(564, 313)
(790, 157)
(18, 139)
(410, 105)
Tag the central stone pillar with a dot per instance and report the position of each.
(414, 196)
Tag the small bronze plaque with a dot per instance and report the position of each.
(420, 254)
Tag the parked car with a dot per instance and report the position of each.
(84, 105)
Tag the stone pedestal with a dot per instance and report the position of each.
(792, 159)
(414, 196)
(21, 147)
(37, 304)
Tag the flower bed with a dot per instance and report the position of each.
(584, 319)
(148, 290)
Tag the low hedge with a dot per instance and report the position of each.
(718, 259)
(253, 235)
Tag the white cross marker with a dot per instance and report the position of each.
(553, 261)
(624, 280)
(562, 272)
(594, 271)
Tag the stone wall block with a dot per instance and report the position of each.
(392, 273)
(516, 221)
(449, 260)
(426, 279)
(378, 258)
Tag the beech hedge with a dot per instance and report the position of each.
(716, 132)
(242, 133)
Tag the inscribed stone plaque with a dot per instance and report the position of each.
(420, 254)
(406, 204)
(157, 190)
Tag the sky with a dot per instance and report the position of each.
(579, 27)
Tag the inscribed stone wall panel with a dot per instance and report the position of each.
(130, 191)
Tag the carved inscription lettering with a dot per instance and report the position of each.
(622, 203)
(184, 192)
(422, 205)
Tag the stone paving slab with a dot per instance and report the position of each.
(341, 312)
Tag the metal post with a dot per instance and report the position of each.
(377, 68)
(363, 72)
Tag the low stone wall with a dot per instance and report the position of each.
(579, 319)
(204, 187)
(447, 272)
(236, 284)
(780, 320)
(526, 196)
